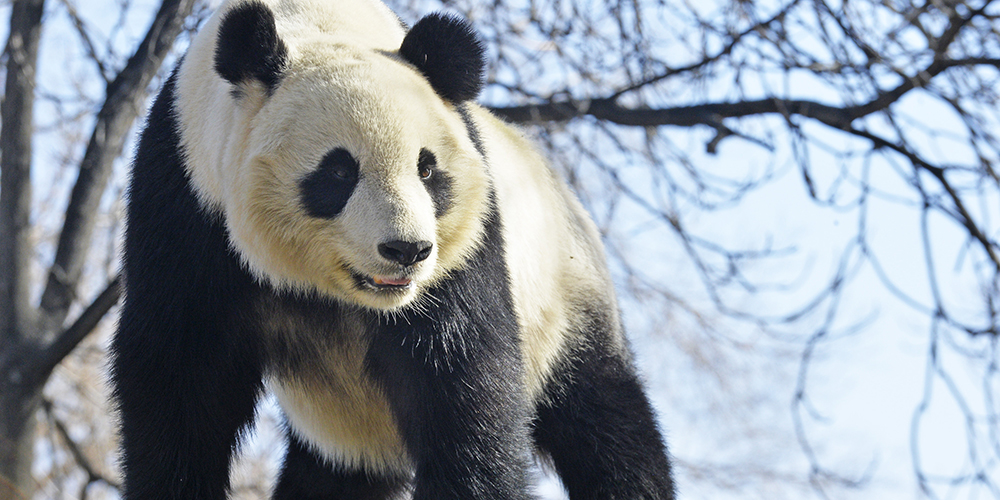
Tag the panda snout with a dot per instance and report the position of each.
(405, 253)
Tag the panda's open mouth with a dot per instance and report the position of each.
(381, 282)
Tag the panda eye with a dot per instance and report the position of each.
(426, 164)
(342, 173)
(340, 165)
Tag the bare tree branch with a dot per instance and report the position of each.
(16, 312)
(683, 116)
(717, 57)
(961, 214)
(609, 110)
(93, 475)
(30, 347)
(88, 43)
(67, 340)
(121, 107)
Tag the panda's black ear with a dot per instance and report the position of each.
(248, 47)
(447, 50)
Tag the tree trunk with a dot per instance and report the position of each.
(20, 394)
(19, 405)
(33, 340)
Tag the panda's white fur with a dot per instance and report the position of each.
(246, 148)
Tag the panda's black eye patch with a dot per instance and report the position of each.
(325, 191)
(426, 164)
(437, 182)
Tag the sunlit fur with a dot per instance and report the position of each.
(245, 162)
(339, 410)
(554, 252)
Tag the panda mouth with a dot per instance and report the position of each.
(385, 281)
(382, 282)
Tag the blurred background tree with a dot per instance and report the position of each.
(799, 199)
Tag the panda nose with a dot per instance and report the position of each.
(405, 252)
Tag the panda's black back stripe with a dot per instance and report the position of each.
(471, 129)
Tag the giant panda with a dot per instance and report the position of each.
(318, 209)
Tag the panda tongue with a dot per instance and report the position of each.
(385, 280)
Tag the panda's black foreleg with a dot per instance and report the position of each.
(187, 379)
(470, 450)
(453, 378)
(183, 400)
(600, 432)
(306, 476)
(185, 364)
(464, 426)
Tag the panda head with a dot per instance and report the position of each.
(339, 168)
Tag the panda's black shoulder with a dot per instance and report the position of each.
(164, 214)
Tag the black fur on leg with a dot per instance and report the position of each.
(600, 432)
(186, 376)
(306, 476)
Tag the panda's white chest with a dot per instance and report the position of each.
(330, 401)
(346, 420)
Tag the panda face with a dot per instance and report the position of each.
(361, 182)
(338, 160)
